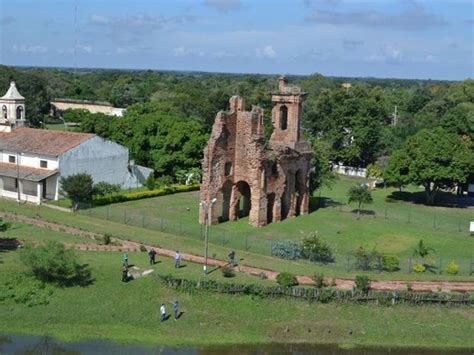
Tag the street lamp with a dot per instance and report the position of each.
(207, 210)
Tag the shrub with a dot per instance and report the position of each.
(368, 260)
(164, 181)
(77, 187)
(228, 271)
(25, 290)
(287, 249)
(53, 263)
(286, 279)
(452, 268)
(142, 248)
(107, 239)
(150, 182)
(326, 295)
(104, 188)
(319, 281)
(316, 249)
(419, 268)
(362, 283)
(390, 263)
(4, 226)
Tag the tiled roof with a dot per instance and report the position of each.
(25, 172)
(12, 93)
(41, 141)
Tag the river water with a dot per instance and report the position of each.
(12, 344)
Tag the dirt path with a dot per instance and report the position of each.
(130, 246)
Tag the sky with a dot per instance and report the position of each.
(385, 38)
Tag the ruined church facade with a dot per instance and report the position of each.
(245, 176)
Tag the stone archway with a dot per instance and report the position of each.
(299, 190)
(243, 199)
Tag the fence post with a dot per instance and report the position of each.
(125, 216)
(409, 216)
(108, 213)
(143, 221)
(223, 238)
(434, 221)
(409, 265)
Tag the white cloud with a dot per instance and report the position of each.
(266, 52)
(182, 51)
(33, 49)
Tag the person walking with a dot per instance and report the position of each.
(162, 312)
(231, 258)
(177, 260)
(125, 260)
(124, 273)
(152, 254)
(176, 310)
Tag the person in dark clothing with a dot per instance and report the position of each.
(231, 258)
(152, 254)
(125, 273)
(176, 310)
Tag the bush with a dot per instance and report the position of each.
(150, 182)
(131, 196)
(107, 239)
(319, 281)
(25, 290)
(452, 268)
(53, 263)
(228, 271)
(164, 181)
(419, 268)
(316, 249)
(4, 226)
(368, 260)
(287, 249)
(77, 187)
(390, 263)
(362, 283)
(286, 279)
(142, 248)
(104, 188)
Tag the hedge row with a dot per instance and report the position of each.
(324, 295)
(130, 196)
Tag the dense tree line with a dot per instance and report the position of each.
(170, 114)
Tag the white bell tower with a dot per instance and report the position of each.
(12, 109)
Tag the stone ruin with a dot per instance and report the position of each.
(246, 176)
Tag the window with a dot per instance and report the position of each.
(43, 164)
(4, 111)
(228, 168)
(12, 159)
(19, 113)
(283, 117)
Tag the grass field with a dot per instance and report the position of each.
(393, 228)
(128, 313)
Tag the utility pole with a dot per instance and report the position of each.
(207, 220)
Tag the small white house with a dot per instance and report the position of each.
(33, 160)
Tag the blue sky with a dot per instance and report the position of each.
(385, 38)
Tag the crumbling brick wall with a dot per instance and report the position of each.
(245, 177)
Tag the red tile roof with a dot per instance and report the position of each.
(25, 172)
(41, 141)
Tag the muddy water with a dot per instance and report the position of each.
(11, 344)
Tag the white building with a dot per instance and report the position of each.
(33, 160)
(13, 109)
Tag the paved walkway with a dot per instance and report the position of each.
(130, 246)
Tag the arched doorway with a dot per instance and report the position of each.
(243, 205)
(19, 113)
(299, 191)
(270, 206)
(224, 200)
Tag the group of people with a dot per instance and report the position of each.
(176, 313)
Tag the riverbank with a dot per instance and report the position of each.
(127, 313)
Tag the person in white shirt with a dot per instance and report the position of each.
(162, 312)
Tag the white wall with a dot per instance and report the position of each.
(349, 170)
(28, 159)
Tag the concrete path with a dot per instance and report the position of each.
(130, 246)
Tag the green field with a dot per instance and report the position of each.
(166, 222)
(391, 227)
(128, 313)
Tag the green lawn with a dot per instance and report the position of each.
(392, 227)
(128, 313)
(165, 221)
